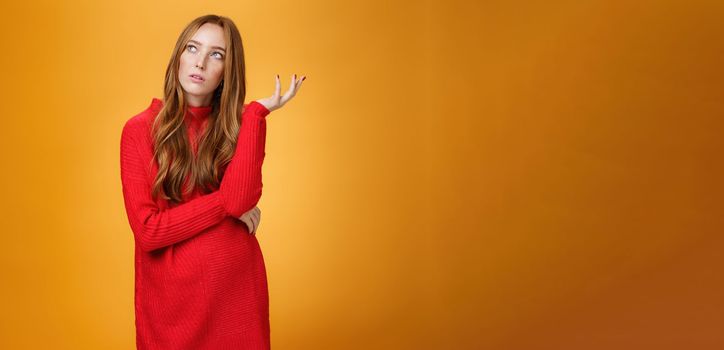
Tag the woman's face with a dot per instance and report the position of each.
(202, 64)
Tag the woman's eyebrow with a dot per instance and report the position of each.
(213, 47)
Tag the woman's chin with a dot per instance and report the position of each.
(195, 91)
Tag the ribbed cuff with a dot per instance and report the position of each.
(258, 109)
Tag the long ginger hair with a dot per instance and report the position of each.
(172, 150)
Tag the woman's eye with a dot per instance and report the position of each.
(219, 54)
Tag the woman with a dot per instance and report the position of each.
(191, 174)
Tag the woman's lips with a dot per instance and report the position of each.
(196, 78)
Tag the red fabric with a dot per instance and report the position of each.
(200, 278)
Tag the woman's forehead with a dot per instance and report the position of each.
(209, 35)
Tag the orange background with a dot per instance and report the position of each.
(451, 175)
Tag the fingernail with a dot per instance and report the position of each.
(304, 78)
(277, 76)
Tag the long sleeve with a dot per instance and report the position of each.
(152, 227)
(241, 185)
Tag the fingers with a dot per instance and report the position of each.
(294, 85)
(255, 222)
(251, 219)
(298, 84)
(290, 91)
(277, 88)
(258, 219)
(248, 223)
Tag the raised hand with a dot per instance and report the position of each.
(276, 100)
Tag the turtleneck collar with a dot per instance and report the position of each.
(194, 113)
(200, 112)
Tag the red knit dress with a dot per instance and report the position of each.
(200, 279)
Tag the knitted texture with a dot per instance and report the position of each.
(200, 279)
